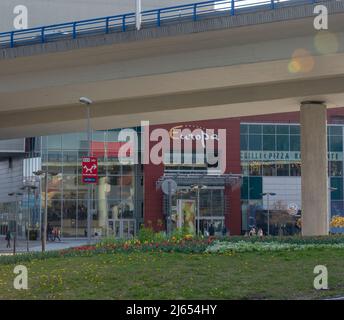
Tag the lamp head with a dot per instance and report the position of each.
(85, 100)
(38, 173)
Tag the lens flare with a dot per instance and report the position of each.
(301, 61)
(326, 42)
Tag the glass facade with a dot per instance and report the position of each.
(271, 152)
(116, 197)
(211, 208)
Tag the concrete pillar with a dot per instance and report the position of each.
(102, 204)
(314, 180)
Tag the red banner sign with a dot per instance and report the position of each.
(89, 170)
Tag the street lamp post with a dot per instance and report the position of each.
(88, 102)
(41, 173)
(138, 14)
(268, 194)
(16, 194)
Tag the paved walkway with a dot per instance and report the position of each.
(35, 246)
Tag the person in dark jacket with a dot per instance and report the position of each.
(8, 239)
(211, 230)
(49, 232)
(224, 231)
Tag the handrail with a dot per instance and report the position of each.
(153, 17)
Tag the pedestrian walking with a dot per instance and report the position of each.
(57, 234)
(49, 232)
(8, 239)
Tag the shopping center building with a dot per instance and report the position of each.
(262, 175)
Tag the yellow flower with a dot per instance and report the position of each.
(337, 222)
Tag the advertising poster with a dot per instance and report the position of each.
(187, 214)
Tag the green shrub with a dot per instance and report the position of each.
(146, 234)
(298, 239)
(180, 233)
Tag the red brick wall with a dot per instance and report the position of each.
(153, 208)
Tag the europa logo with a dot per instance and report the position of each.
(181, 145)
(198, 134)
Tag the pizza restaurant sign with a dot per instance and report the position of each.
(282, 155)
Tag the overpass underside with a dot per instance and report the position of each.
(258, 63)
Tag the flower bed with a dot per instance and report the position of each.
(337, 222)
(186, 244)
(246, 246)
(332, 239)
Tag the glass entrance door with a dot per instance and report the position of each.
(122, 228)
(206, 222)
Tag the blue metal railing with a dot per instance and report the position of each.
(124, 22)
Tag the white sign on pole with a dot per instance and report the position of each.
(138, 14)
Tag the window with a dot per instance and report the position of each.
(269, 129)
(282, 129)
(255, 142)
(335, 130)
(269, 143)
(295, 169)
(54, 142)
(70, 186)
(337, 191)
(54, 213)
(282, 143)
(336, 143)
(295, 129)
(70, 162)
(335, 168)
(243, 128)
(269, 169)
(282, 169)
(255, 168)
(70, 141)
(295, 143)
(244, 188)
(255, 129)
(243, 142)
(244, 168)
(69, 217)
(255, 188)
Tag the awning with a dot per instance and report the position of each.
(196, 178)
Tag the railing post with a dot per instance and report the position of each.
(42, 35)
(272, 4)
(107, 25)
(158, 18)
(194, 12)
(74, 30)
(232, 7)
(12, 39)
(123, 23)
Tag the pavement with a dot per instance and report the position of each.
(36, 246)
(336, 299)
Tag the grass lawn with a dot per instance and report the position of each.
(268, 275)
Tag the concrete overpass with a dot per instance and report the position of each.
(258, 62)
